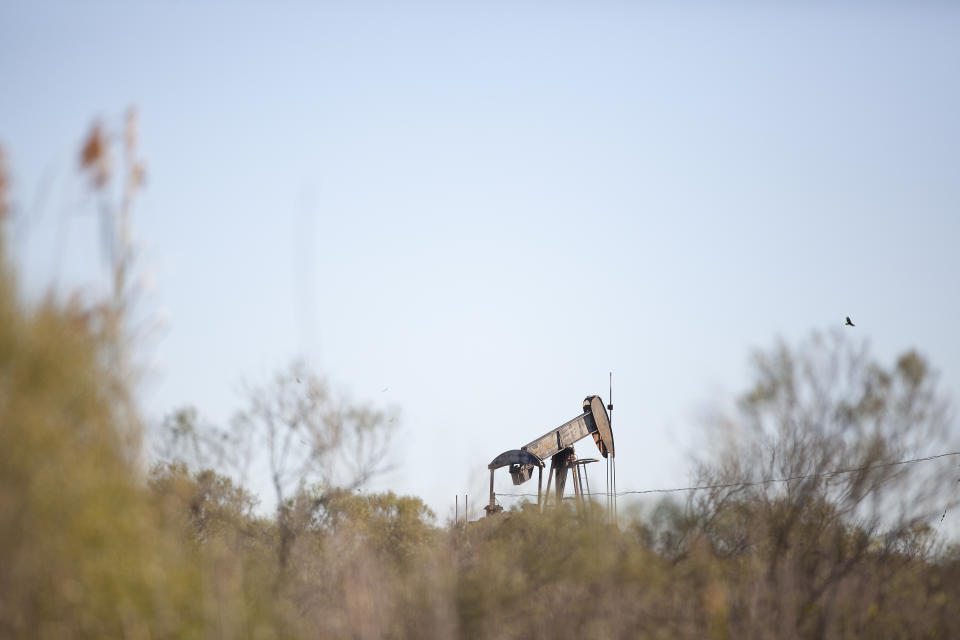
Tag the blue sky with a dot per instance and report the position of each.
(485, 207)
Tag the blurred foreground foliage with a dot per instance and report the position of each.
(94, 546)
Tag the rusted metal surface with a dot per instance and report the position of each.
(556, 440)
(522, 463)
(602, 432)
(515, 456)
(594, 420)
(560, 463)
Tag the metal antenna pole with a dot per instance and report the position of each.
(613, 461)
(610, 462)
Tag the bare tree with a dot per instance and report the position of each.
(813, 478)
(309, 436)
(185, 438)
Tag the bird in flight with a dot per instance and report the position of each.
(848, 323)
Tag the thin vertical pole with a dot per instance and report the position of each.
(546, 496)
(456, 510)
(611, 463)
(609, 516)
(578, 494)
(539, 488)
(614, 465)
(492, 498)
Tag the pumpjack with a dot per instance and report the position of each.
(557, 446)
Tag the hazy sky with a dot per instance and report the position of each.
(485, 207)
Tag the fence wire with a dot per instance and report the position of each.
(754, 483)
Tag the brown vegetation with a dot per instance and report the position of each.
(91, 546)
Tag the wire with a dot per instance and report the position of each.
(727, 485)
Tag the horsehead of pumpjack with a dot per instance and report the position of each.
(557, 445)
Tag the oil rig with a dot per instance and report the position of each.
(557, 446)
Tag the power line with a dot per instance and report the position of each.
(753, 483)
